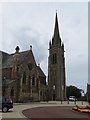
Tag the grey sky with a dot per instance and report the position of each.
(33, 23)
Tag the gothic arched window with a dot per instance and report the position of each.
(54, 58)
(12, 92)
(24, 78)
(33, 80)
(30, 66)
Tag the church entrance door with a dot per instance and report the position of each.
(54, 97)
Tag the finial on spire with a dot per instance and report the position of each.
(30, 47)
(39, 64)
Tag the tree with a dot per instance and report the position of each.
(73, 91)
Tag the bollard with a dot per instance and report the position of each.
(68, 101)
(89, 102)
(61, 101)
(75, 102)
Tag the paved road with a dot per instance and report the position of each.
(53, 112)
(16, 112)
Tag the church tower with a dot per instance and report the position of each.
(56, 66)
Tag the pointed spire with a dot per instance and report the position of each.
(50, 44)
(56, 29)
(63, 46)
(56, 36)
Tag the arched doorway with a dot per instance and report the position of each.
(54, 97)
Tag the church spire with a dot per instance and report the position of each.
(56, 29)
(56, 38)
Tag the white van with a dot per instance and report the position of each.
(72, 98)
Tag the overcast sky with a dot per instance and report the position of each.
(26, 24)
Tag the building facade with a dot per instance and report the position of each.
(22, 78)
(56, 66)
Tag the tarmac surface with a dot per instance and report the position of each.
(18, 108)
(54, 112)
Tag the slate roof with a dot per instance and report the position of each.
(3, 55)
(41, 73)
(7, 62)
(8, 59)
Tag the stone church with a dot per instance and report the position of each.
(56, 66)
(22, 78)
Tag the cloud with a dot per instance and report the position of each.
(26, 36)
(26, 24)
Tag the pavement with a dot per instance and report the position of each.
(16, 112)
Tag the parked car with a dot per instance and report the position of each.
(6, 103)
(72, 98)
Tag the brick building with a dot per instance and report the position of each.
(22, 79)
